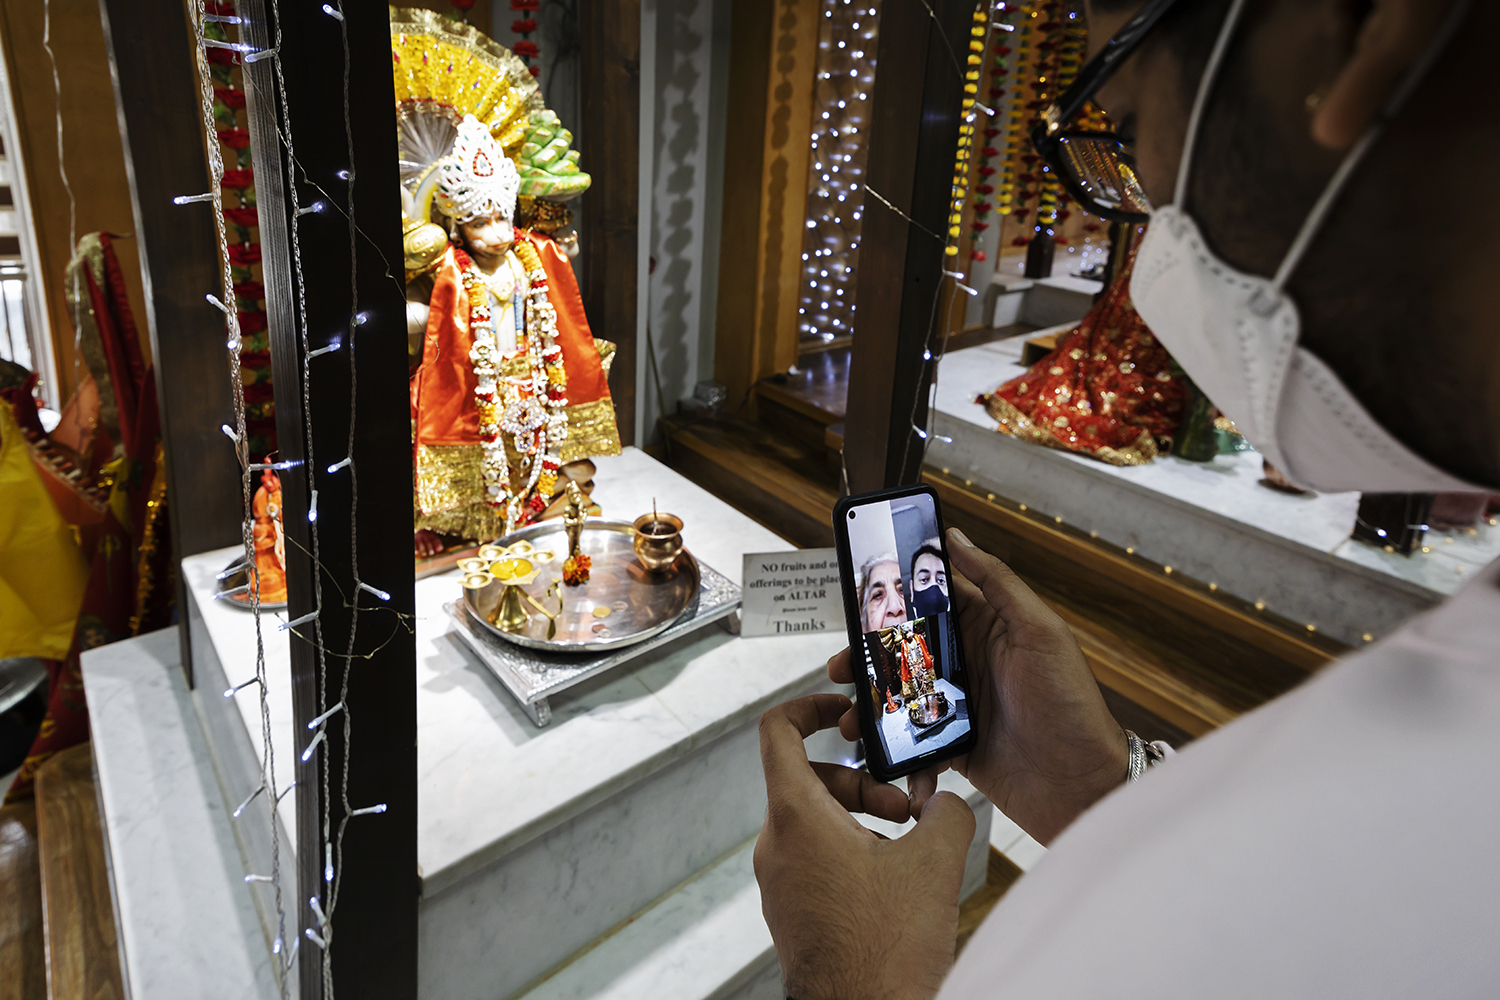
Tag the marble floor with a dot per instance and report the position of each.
(1229, 487)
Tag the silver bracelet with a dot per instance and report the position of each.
(1143, 755)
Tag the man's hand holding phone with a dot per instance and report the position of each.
(1047, 747)
(853, 914)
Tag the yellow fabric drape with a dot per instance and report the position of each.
(42, 572)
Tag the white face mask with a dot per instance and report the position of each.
(1236, 334)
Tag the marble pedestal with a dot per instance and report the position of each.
(534, 844)
(1213, 521)
(1062, 298)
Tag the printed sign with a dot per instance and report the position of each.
(786, 593)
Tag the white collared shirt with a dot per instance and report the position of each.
(1341, 841)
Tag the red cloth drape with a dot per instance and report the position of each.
(1107, 390)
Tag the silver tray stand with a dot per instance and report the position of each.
(533, 676)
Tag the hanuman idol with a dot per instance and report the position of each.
(509, 396)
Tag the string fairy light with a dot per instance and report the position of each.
(311, 211)
(234, 342)
(62, 171)
(332, 845)
(980, 30)
(838, 148)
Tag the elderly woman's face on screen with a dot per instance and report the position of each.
(884, 601)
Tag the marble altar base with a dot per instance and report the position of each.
(535, 844)
(1213, 521)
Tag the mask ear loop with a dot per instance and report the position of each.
(1200, 102)
(1341, 176)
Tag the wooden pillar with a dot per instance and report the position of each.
(159, 126)
(609, 149)
(357, 408)
(772, 74)
(900, 291)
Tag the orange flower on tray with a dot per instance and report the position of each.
(576, 570)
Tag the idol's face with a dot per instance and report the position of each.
(929, 572)
(885, 601)
(487, 237)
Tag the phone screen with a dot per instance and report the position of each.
(908, 643)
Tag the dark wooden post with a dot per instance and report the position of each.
(900, 292)
(609, 148)
(156, 94)
(357, 407)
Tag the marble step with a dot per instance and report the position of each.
(707, 940)
(188, 924)
(583, 878)
(83, 958)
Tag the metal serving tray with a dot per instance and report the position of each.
(534, 675)
(621, 604)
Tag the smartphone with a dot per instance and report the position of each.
(911, 684)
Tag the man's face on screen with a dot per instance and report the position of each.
(929, 572)
(885, 603)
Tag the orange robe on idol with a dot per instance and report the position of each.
(446, 454)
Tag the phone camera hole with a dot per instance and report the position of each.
(851, 515)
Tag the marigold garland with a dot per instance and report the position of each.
(526, 411)
(960, 191)
(985, 187)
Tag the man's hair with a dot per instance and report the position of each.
(925, 550)
(1375, 290)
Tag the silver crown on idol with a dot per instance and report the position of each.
(477, 179)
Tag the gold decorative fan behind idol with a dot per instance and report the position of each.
(444, 70)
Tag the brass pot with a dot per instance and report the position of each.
(658, 540)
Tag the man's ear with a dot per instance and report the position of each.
(1391, 39)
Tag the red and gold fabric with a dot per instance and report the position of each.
(125, 575)
(448, 459)
(1108, 390)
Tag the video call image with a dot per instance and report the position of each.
(911, 662)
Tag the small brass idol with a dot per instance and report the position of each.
(576, 568)
(575, 512)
